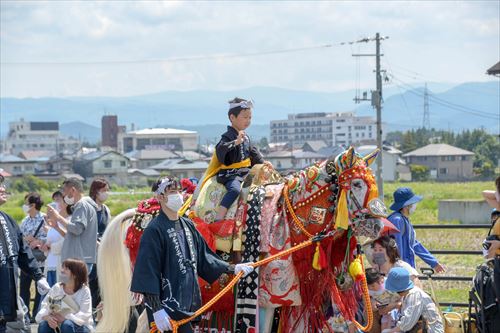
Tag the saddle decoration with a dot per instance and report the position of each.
(350, 165)
(145, 212)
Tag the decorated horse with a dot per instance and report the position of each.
(301, 231)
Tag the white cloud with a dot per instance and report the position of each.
(453, 41)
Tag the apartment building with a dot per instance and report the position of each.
(334, 128)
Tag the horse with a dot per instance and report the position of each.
(331, 203)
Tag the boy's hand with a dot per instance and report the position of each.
(240, 138)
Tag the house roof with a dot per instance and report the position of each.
(144, 172)
(331, 151)
(438, 149)
(297, 153)
(72, 175)
(387, 149)
(35, 154)
(151, 154)
(98, 154)
(8, 158)
(160, 131)
(494, 70)
(314, 145)
(180, 164)
(191, 155)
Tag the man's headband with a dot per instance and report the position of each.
(165, 182)
(242, 104)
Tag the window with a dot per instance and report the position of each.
(107, 163)
(464, 158)
(443, 171)
(123, 163)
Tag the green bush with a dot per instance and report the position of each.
(419, 172)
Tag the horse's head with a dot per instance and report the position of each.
(358, 204)
(338, 193)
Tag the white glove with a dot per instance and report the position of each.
(244, 267)
(162, 320)
(42, 286)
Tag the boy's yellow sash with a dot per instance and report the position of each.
(213, 168)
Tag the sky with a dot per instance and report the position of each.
(59, 49)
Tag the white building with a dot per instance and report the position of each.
(393, 166)
(335, 128)
(157, 138)
(37, 135)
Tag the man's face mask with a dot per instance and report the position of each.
(174, 201)
(412, 208)
(69, 198)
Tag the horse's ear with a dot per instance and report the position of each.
(371, 157)
(350, 157)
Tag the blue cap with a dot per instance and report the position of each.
(403, 197)
(398, 280)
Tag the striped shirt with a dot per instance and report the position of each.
(415, 304)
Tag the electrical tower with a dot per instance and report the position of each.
(426, 123)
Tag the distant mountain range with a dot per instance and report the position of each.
(455, 107)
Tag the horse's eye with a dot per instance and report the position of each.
(357, 184)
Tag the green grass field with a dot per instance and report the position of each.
(426, 213)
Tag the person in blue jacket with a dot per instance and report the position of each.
(405, 203)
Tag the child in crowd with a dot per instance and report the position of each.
(384, 301)
(415, 304)
(236, 153)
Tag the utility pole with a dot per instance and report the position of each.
(426, 123)
(378, 105)
(376, 100)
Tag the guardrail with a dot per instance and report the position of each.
(452, 252)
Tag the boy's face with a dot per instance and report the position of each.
(242, 121)
(376, 286)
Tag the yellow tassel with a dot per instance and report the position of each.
(316, 265)
(356, 269)
(342, 219)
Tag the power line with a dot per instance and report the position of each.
(174, 59)
(418, 76)
(446, 103)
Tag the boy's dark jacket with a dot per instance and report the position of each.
(228, 153)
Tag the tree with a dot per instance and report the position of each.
(419, 172)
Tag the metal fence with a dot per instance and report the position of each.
(452, 252)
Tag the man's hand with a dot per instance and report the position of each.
(52, 321)
(42, 286)
(162, 320)
(439, 268)
(244, 267)
(53, 215)
(240, 138)
(59, 317)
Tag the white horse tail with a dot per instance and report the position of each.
(115, 274)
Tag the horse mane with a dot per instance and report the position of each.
(115, 274)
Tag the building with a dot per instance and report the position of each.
(157, 138)
(334, 128)
(392, 162)
(445, 162)
(494, 70)
(109, 164)
(182, 168)
(142, 177)
(37, 135)
(293, 159)
(145, 158)
(17, 166)
(109, 131)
